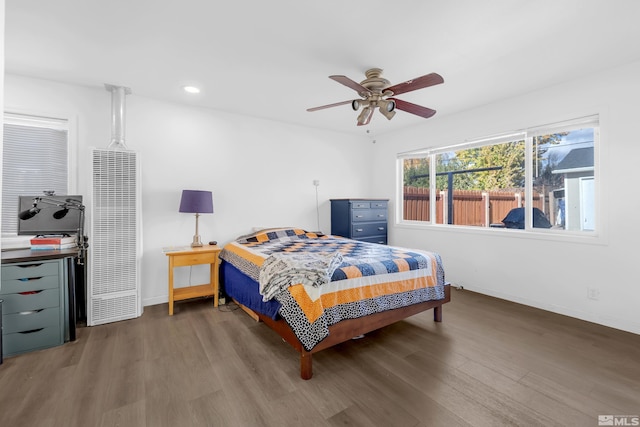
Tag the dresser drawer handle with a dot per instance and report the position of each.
(29, 292)
(380, 216)
(31, 331)
(359, 216)
(381, 228)
(359, 230)
(30, 311)
(26, 279)
(30, 265)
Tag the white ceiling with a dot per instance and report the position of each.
(272, 59)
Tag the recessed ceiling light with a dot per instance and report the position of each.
(191, 89)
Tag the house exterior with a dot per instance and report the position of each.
(577, 208)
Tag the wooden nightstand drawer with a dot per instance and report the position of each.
(183, 260)
(15, 303)
(15, 286)
(20, 342)
(28, 270)
(30, 320)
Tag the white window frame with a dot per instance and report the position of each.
(596, 236)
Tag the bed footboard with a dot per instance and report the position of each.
(347, 329)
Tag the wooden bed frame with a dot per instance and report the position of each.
(347, 329)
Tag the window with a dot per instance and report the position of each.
(489, 183)
(35, 159)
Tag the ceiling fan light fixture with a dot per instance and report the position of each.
(387, 108)
(365, 115)
(355, 104)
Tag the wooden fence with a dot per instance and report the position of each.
(475, 208)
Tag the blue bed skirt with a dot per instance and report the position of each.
(245, 290)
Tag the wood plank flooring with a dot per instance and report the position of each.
(490, 363)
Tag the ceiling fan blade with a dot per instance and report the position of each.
(362, 91)
(417, 83)
(418, 110)
(322, 107)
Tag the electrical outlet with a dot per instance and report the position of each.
(316, 182)
(593, 293)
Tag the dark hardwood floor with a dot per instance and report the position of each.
(490, 363)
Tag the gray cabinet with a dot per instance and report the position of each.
(33, 311)
(360, 219)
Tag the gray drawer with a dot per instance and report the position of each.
(27, 270)
(381, 240)
(30, 320)
(15, 303)
(369, 215)
(369, 229)
(20, 342)
(15, 286)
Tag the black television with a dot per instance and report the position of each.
(44, 222)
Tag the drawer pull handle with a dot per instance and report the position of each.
(30, 265)
(380, 216)
(381, 228)
(26, 279)
(359, 230)
(32, 331)
(359, 216)
(29, 293)
(31, 311)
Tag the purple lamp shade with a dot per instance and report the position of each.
(195, 201)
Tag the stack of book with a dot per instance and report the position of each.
(53, 242)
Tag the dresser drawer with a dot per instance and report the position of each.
(358, 215)
(360, 205)
(29, 270)
(30, 320)
(381, 240)
(368, 229)
(15, 286)
(15, 303)
(20, 342)
(379, 205)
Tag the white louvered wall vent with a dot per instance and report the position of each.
(115, 238)
(116, 234)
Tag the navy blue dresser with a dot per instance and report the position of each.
(360, 219)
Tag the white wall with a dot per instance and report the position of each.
(550, 274)
(261, 172)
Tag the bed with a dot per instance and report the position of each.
(318, 290)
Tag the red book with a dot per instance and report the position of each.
(50, 240)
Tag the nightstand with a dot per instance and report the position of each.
(190, 257)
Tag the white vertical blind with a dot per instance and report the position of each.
(35, 159)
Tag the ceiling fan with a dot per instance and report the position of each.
(377, 92)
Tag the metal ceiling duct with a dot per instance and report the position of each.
(118, 94)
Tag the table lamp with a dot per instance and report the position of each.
(198, 202)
